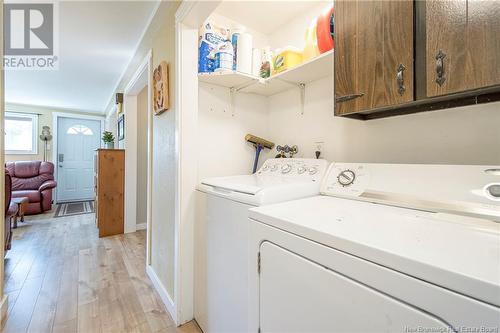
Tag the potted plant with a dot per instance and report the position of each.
(109, 139)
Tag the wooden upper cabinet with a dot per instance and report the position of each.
(373, 54)
(462, 45)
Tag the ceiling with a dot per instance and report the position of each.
(97, 40)
(265, 16)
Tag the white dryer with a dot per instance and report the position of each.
(387, 248)
(221, 235)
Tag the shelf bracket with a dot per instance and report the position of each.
(302, 87)
(234, 90)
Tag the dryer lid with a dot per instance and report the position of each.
(456, 252)
(471, 190)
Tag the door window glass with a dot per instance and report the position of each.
(79, 129)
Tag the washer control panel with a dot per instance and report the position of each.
(307, 168)
(346, 179)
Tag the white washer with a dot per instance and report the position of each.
(388, 248)
(221, 235)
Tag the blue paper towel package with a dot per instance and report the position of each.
(210, 37)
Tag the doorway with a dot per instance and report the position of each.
(138, 148)
(77, 139)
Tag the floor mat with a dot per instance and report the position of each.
(74, 208)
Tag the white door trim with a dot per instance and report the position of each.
(55, 128)
(4, 298)
(189, 17)
(133, 88)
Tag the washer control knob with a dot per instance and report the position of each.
(313, 170)
(301, 170)
(346, 177)
(286, 168)
(493, 191)
(274, 167)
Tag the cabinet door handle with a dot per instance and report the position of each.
(348, 97)
(400, 79)
(440, 68)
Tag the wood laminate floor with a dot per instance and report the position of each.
(60, 277)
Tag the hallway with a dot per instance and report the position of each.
(60, 277)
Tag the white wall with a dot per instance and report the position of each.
(222, 148)
(164, 147)
(465, 135)
(259, 40)
(110, 124)
(293, 33)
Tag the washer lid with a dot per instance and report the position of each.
(456, 252)
(251, 184)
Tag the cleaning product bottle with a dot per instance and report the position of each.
(324, 31)
(267, 61)
(286, 58)
(311, 49)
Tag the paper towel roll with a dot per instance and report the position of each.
(256, 61)
(244, 53)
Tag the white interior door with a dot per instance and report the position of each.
(76, 141)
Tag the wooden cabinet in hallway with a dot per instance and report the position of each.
(110, 186)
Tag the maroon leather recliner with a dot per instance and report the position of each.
(10, 210)
(35, 181)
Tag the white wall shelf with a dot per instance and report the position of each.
(228, 79)
(309, 71)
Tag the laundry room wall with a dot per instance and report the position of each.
(465, 135)
(222, 149)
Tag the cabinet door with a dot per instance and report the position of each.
(462, 45)
(373, 54)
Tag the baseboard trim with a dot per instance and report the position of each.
(165, 297)
(141, 226)
(4, 306)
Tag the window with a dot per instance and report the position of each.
(79, 129)
(21, 133)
